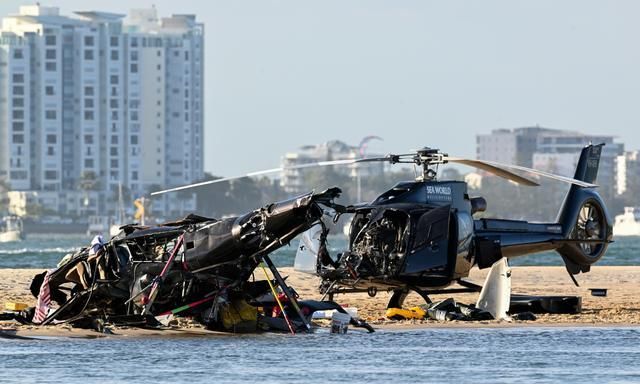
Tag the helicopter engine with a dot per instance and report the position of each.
(378, 245)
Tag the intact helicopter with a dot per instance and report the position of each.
(418, 236)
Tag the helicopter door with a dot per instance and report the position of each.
(430, 249)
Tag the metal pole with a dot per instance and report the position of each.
(286, 291)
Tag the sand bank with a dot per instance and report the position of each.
(621, 306)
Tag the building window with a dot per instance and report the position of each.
(134, 139)
(114, 139)
(114, 115)
(88, 163)
(114, 79)
(18, 78)
(50, 54)
(49, 90)
(51, 139)
(18, 175)
(114, 41)
(17, 54)
(88, 41)
(113, 151)
(50, 66)
(134, 55)
(134, 41)
(18, 114)
(50, 175)
(18, 126)
(88, 91)
(88, 103)
(18, 102)
(50, 114)
(134, 68)
(159, 53)
(114, 55)
(18, 90)
(50, 40)
(18, 139)
(114, 163)
(88, 54)
(50, 151)
(113, 103)
(88, 139)
(134, 115)
(134, 175)
(88, 115)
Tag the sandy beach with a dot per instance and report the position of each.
(621, 306)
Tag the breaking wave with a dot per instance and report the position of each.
(31, 251)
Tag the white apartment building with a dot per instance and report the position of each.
(96, 100)
(628, 173)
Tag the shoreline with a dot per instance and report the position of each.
(619, 309)
(57, 332)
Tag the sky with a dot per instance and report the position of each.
(281, 74)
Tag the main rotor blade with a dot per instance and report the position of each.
(272, 170)
(495, 165)
(493, 169)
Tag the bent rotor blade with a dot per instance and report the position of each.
(493, 169)
(273, 170)
(484, 163)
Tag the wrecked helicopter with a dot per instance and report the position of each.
(418, 236)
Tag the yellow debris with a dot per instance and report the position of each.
(406, 314)
(10, 306)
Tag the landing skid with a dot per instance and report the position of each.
(400, 294)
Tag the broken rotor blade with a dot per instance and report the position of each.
(272, 170)
(498, 169)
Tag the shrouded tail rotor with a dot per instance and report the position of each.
(584, 218)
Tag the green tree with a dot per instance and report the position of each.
(4, 198)
(89, 181)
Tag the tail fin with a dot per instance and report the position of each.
(587, 169)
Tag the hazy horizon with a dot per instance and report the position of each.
(280, 74)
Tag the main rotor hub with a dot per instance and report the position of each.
(427, 157)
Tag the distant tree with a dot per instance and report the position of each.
(4, 198)
(34, 210)
(89, 181)
(450, 174)
(511, 201)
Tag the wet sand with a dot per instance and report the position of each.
(621, 306)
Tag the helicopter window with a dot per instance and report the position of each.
(392, 193)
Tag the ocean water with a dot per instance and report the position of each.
(508, 355)
(45, 252)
